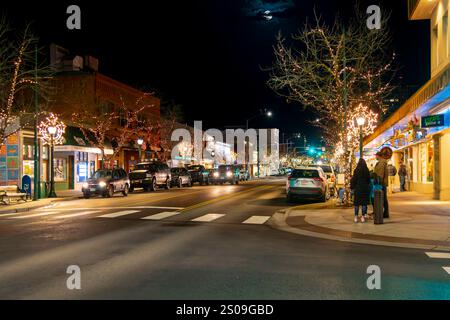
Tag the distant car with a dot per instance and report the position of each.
(330, 175)
(244, 174)
(106, 183)
(199, 174)
(307, 183)
(150, 176)
(227, 173)
(181, 177)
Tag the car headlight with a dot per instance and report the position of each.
(216, 174)
(229, 174)
(102, 184)
(85, 185)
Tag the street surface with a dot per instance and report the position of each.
(204, 242)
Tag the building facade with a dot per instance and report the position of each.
(419, 131)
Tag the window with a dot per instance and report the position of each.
(445, 34)
(305, 174)
(434, 47)
(60, 170)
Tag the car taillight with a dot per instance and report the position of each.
(332, 178)
(318, 179)
(290, 178)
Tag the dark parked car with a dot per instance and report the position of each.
(199, 174)
(181, 177)
(106, 183)
(150, 176)
(227, 173)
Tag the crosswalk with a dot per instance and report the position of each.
(440, 255)
(139, 213)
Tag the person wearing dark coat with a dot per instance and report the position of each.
(360, 184)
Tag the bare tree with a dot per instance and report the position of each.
(100, 126)
(20, 79)
(95, 127)
(334, 69)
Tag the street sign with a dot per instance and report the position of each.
(433, 121)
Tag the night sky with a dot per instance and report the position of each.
(208, 55)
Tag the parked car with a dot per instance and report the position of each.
(150, 176)
(180, 177)
(227, 173)
(331, 177)
(106, 183)
(199, 174)
(307, 183)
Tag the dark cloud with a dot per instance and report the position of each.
(268, 10)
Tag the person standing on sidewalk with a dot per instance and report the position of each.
(392, 172)
(360, 184)
(402, 173)
(382, 176)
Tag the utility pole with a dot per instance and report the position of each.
(37, 187)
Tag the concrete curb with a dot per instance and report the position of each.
(19, 210)
(278, 221)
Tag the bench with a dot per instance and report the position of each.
(12, 192)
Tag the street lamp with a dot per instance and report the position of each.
(140, 142)
(52, 130)
(361, 121)
(268, 114)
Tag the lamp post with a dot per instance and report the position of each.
(268, 114)
(140, 142)
(361, 121)
(52, 131)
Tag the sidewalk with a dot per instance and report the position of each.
(65, 195)
(416, 221)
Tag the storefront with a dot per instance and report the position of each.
(419, 135)
(75, 161)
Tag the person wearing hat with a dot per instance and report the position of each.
(381, 171)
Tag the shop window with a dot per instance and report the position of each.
(430, 165)
(60, 166)
(427, 162)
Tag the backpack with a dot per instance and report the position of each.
(392, 171)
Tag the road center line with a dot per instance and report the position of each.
(226, 197)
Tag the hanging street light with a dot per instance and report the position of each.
(52, 131)
(140, 142)
(361, 121)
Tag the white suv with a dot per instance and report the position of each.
(307, 183)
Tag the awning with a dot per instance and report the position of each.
(74, 140)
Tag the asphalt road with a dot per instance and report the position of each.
(209, 242)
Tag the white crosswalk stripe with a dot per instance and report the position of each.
(162, 215)
(42, 214)
(73, 215)
(256, 220)
(440, 255)
(208, 217)
(119, 214)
